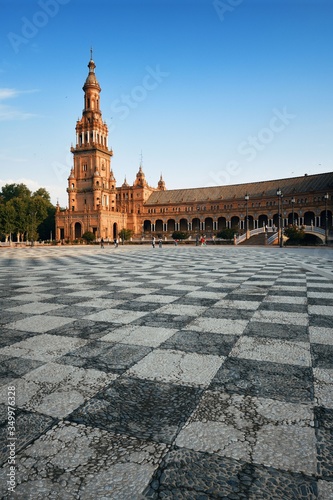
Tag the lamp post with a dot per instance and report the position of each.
(279, 195)
(293, 203)
(247, 215)
(326, 219)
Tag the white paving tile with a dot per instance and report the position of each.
(177, 367)
(139, 335)
(216, 325)
(39, 324)
(321, 310)
(35, 308)
(115, 316)
(321, 335)
(323, 385)
(238, 304)
(43, 347)
(181, 310)
(282, 317)
(274, 351)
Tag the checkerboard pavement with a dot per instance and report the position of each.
(181, 372)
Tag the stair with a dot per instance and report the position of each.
(257, 239)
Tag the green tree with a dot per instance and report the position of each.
(88, 236)
(125, 234)
(23, 212)
(179, 235)
(295, 235)
(7, 220)
(226, 234)
(10, 191)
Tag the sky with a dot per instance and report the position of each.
(204, 92)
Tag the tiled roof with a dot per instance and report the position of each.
(290, 187)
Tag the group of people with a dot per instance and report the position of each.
(115, 242)
(153, 242)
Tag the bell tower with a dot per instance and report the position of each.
(91, 186)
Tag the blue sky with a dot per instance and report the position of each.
(212, 92)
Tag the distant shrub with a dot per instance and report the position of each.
(179, 235)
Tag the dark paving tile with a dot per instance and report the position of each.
(284, 382)
(140, 306)
(9, 337)
(74, 312)
(11, 368)
(28, 427)
(324, 433)
(9, 317)
(319, 302)
(115, 358)
(223, 313)
(322, 356)
(244, 296)
(283, 307)
(323, 321)
(196, 301)
(202, 343)
(84, 329)
(63, 299)
(140, 408)
(296, 333)
(187, 474)
(163, 321)
(286, 293)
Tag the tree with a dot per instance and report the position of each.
(23, 212)
(10, 191)
(125, 234)
(179, 235)
(88, 236)
(295, 235)
(226, 234)
(7, 220)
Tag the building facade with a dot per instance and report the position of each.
(96, 204)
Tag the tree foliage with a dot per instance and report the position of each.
(125, 234)
(179, 235)
(23, 213)
(226, 234)
(88, 236)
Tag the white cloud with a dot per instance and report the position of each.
(56, 192)
(9, 113)
(31, 184)
(6, 93)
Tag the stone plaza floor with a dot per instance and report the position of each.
(177, 372)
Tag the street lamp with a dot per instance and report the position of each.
(293, 203)
(247, 215)
(326, 219)
(279, 195)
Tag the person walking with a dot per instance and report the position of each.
(160, 243)
(153, 241)
(102, 243)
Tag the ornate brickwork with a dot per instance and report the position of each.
(96, 204)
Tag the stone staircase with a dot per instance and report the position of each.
(257, 239)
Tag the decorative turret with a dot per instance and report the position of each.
(140, 180)
(161, 184)
(125, 184)
(91, 129)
